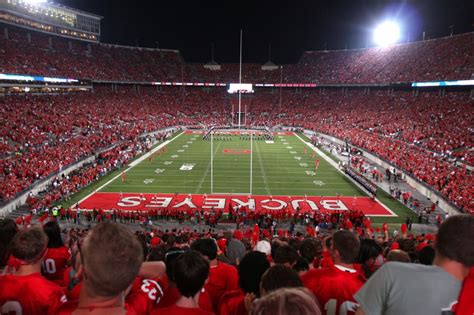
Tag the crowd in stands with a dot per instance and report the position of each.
(49, 270)
(448, 58)
(424, 135)
(43, 134)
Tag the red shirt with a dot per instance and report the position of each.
(222, 278)
(71, 290)
(465, 302)
(55, 264)
(31, 294)
(171, 296)
(178, 310)
(333, 288)
(69, 308)
(145, 294)
(232, 303)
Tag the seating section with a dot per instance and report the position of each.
(448, 58)
(425, 135)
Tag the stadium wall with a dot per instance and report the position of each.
(425, 190)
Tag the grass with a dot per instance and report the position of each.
(281, 168)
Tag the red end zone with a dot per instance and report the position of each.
(222, 132)
(264, 204)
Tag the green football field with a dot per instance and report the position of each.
(278, 168)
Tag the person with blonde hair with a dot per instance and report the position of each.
(287, 301)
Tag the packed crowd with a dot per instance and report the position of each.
(43, 134)
(448, 58)
(424, 135)
(49, 270)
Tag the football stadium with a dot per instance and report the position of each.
(263, 159)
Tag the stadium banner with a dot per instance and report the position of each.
(224, 202)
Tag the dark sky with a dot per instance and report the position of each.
(290, 27)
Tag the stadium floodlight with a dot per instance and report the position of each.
(35, 1)
(386, 33)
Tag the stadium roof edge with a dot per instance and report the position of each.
(53, 4)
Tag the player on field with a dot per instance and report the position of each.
(334, 286)
(26, 291)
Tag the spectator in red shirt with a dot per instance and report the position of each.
(26, 291)
(57, 256)
(251, 269)
(190, 273)
(334, 286)
(222, 277)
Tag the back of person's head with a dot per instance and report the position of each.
(190, 273)
(398, 255)
(426, 255)
(301, 265)
(311, 248)
(235, 251)
(251, 269)
(286, 254)
(287, 301)
(455, 239)
(29, 245)
(275, 245)
(346, 246)
(279, 276)
(54, 234)
(8, 229)
(171, 255)
(157, 253)
(111, 258)
(205, 246)
(407, 245)
(369, 249)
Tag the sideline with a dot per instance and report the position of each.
(336, 166)
(131, 165)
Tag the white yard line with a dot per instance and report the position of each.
(132, 165)
(199, 186)
(334, 164)
(265, 182)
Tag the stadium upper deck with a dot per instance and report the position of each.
(449, 58)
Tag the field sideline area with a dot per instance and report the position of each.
(283, 172)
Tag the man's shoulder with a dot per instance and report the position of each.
(395, 266)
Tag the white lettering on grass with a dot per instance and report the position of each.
(130, 201)
(216, 203)
(159, 202)
(281, 204)
(335, 205)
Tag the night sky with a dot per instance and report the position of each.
(290, 27)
